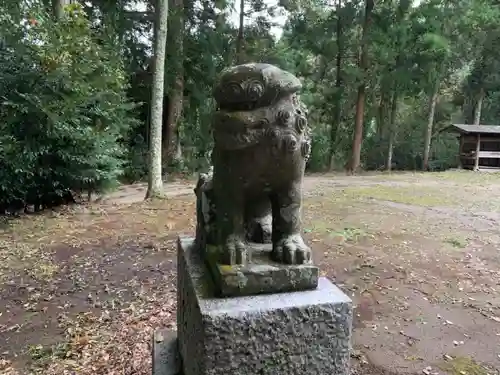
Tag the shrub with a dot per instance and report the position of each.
(63, 110)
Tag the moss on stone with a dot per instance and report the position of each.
(225, 268)
(463, 365)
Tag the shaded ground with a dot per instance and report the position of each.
(82, 290)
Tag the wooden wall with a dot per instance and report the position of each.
(489, 151)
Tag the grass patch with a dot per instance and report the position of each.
(347, 234)
(417, 196)
(458, 243)
(462, 176)
(397, 176)
(42, 354)
(43, 270)
(463, 365)
(466, 176)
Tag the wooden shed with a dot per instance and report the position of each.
(479, 146)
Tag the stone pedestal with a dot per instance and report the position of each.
(262, 275)
(297, 333)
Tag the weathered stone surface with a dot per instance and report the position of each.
(253, 85)
(258, 219)
(261, 275)
(261, 145)
(166, 360)
(279, 334)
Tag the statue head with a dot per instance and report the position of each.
(253, 85)
(259, 104)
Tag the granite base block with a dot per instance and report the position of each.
(166, 360)
(305, 332)
(262, 275)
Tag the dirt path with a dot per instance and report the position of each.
(83, 290)
(135, 193)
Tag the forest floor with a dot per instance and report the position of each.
(83, 289)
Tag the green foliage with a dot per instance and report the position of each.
(413, 49)
(64, 110)
(67, 86)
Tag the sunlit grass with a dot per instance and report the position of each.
(403, 194)
(463, 365)
(460, 176)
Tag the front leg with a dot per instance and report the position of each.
(230, 219)
(288, 245)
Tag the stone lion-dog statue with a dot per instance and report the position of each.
(261, 144)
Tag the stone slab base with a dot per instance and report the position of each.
(166, 360)
(262, 275)
(297, 333)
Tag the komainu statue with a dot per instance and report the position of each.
(261, 145)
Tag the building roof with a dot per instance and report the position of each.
(467, 129)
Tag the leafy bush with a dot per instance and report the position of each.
(135, 168)
(63, 111)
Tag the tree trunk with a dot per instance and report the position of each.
(239, 40)
(360, 102)
(381, 113)
(58, 7)
(392, 129)
(402, 9)
(383, 121)
(358, 131)
(430, 124)
(478, 107)
(478, 149)
(155, 183)
(171, 150)
(178, 147)
(338, 89)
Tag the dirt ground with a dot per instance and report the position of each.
(83, 289)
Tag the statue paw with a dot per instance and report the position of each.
(291, 250)
(235, 251)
